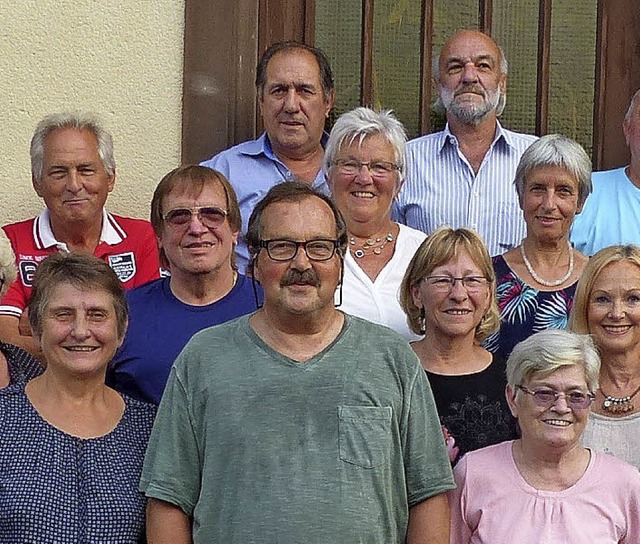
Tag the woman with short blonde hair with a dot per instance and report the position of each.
(607, 306)
(448, 294)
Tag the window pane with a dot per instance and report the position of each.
(396, 60)
(338, 30)
(572, 70)
(515, 28)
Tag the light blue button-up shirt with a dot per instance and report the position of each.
(253, 168)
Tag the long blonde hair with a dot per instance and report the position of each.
(578, 319)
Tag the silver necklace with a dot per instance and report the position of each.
(542, 281)
(376, 246)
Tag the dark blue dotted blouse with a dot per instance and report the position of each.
(58, 488)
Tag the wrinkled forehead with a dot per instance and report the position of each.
(69, 142)
(469, 46)
(291, 217)
(188, 189)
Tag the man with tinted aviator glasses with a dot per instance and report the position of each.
(195, 215)
(298, 423)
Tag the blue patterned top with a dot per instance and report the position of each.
(525, 309)
(22, 365)
(58, 488)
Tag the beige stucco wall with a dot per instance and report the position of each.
(121, 59)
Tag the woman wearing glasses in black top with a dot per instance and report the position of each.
(448, 294)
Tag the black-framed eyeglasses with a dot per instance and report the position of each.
(285, 250)
(473, 284)
(210, 216)
(380, 169)
(545, 398)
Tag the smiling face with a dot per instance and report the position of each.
(470, 80)
(195, 249)
(79, 333)
(549, 202)
(293, 104)
(364, 197)
(557, 426)
(613, 313)
(454, 313)
(74, 184)
(299, 286)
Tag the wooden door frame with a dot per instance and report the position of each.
(223, 41)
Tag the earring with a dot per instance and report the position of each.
(423, 321)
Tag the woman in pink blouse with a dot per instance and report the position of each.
(546, 487)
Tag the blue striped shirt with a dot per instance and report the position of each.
(441, 188)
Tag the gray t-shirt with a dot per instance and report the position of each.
(256, 447)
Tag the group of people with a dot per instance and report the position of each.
(287, 410)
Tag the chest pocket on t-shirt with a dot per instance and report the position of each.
(364, 434)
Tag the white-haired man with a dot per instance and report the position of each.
(463, 176)
(73, 171)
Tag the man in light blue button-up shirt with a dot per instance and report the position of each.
(295, 93)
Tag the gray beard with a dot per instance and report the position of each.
(470, 114)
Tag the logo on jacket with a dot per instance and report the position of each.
(27, 271)
(124, 265)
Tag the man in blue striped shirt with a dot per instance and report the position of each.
(463, 176)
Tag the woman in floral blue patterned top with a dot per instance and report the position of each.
(536, 281)
(72, 448)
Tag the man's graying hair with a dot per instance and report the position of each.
(75, 120)
(326, 75)
(504, 70)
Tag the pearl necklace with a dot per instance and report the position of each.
(618, 405)
(542, 281)
(377, 246)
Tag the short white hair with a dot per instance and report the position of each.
(360, 123)
(546, 351)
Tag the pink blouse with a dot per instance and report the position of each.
(493, 504)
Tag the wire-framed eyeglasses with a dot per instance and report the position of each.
(379, 169)
(444, 284)
(209, 216)
(285, 250)
(545, 398)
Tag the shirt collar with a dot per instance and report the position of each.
(262, 146)
(112, 233)
(501, 134)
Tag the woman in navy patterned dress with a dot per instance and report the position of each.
(16, 365)
(72, 448)
(536, 281)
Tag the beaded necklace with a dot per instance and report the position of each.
(376, 246)
(618, 405)
(542, 281)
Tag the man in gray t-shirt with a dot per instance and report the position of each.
(297, 423)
